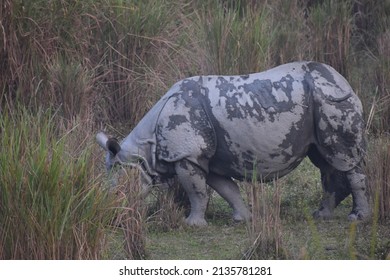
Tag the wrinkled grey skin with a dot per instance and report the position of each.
(210, 129)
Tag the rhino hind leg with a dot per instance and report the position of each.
(333, 185)
(229, 190)
(193, 180)
(335, 189)
(357, 180)
(337, 185)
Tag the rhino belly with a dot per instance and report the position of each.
(261, 159)
(268, 148)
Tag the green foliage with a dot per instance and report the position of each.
(131, 213)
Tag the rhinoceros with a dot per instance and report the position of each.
(215, 130)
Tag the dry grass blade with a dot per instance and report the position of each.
(371, 115)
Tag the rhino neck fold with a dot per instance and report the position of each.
(142, 139)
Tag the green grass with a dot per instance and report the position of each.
(215, 242)
(51, 205)
(302, 237)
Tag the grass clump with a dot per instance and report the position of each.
(331, 27)
(265, 227)
(167, 208)
(51, 204)
(131, 213)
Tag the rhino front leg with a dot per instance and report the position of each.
(229, 190)
(357, 181)
(193, 180)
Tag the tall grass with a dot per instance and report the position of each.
(378, 177)
(130, 39)
(238, 39)
(331, 27)
(51, 205)
(78, 54)
(115, 58)
(72, 85)
(382, 75)
(265, 228)
(131, 213)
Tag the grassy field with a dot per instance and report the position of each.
(299, 235)
(69, 69)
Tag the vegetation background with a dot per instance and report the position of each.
(69, 68)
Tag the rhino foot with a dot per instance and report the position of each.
(242, 216)
(322, 214)
(197, 222)
(358, 215)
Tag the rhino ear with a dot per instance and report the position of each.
(113, 146)
(102, 139)
(108, 144)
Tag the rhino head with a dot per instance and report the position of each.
(131, 156)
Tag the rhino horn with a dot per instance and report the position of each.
(102, 139)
